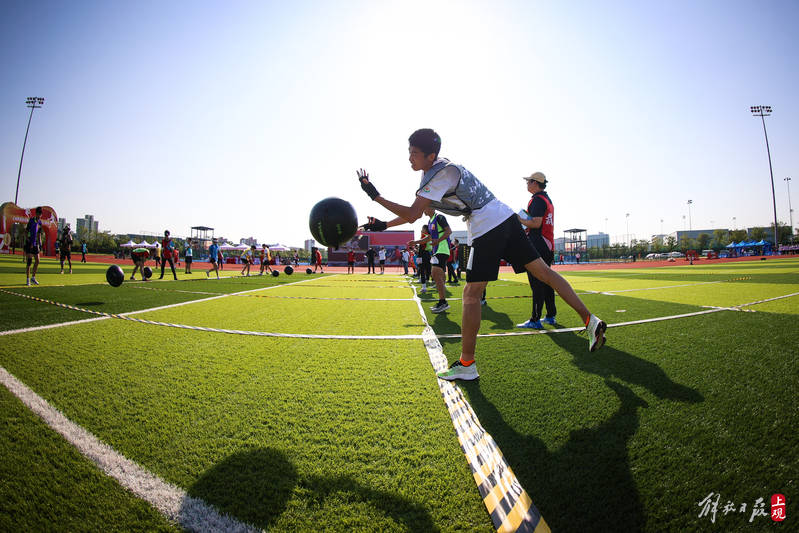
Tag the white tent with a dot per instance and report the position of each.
(129, 244)
(278, 248)
(145, 244)
(229, 247)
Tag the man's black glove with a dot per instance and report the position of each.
(366, 185)
(374, 225)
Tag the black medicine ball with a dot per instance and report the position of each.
(289, 270)
(147, 271)
(275, 273)
(114, 276)
(333, 222)
(308, 271)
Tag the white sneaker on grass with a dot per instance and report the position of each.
(458, 371)
(596, 333)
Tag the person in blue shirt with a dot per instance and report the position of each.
(188, 256)
(213, 257)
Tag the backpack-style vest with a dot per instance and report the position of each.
(469, 195)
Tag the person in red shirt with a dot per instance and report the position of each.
(317, 258)
(350, 262)
(540, 229)
(168, 255)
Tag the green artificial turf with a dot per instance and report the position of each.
(295, 434)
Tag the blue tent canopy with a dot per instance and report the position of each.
(761, 242)
(731, 245)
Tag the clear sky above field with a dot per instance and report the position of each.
(242, 115)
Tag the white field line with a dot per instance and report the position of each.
(665, 287)
(50, 326)
(171, 501)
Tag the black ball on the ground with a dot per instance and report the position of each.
(333, 222)
(275, 273)
(114, 276)
(308, 271)
(148, 272)
(289, 270)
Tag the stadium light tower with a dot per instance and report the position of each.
(33, 102)
(790, 209)
(763, 111)
(628, 230)
(690, 226)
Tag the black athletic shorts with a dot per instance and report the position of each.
(440, 260)
(350, 263)
(31, 249)
(506, 241)
(188, 259)
(66, 253)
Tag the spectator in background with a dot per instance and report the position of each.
(65, 250)
(405, 259)
(32, 235)
(247, 259)
(168, 255)
(381, 256)
(188, 256)
(213, 256)
(370, 260)
(83, 250)
(317, 258)
(266, 259)
(452, 263)
(350, 262)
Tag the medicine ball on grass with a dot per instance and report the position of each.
(148, 272)
(333, 222)
(308, 271)
(275, 273)
(114, 276)
(289, 270)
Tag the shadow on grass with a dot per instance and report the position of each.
(255, 486)
(586, 485)
(609, 362)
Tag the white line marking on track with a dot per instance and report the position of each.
(171, 501)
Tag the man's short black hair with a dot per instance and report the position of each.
(426, 140)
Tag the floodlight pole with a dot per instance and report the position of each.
(629, 242)
(31, 102)
(790, 209)
(690, 225)
(763, 111)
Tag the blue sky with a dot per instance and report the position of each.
(242, 115)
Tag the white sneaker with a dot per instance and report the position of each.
(27, 281)
(33, 280)
(596, 333)
(424, 288)
(458, 371)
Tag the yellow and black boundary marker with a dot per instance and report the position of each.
(507, 503)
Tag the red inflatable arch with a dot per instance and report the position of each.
(11, 215)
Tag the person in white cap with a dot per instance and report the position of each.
(494, 233)
(539, 223)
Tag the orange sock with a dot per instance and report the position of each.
(587, 320)
(464, 363)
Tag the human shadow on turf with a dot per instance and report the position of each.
(586, 484)
(609, 362)
(255, 486)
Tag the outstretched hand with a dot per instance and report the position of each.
(374, 225)
(366, 185)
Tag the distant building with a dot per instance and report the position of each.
(87, 224)
(61, 223)
(310, 243)
(598, 240)
(249, 241)
(692, 234)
